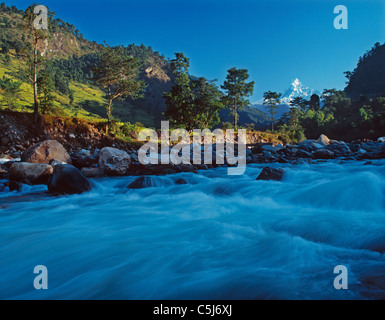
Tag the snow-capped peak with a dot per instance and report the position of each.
(297, 89)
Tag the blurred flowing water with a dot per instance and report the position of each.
(218, 237)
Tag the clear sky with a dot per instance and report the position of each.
(275, 40)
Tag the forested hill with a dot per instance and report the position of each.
(71, 58)
(369, 76)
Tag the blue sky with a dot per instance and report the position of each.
(275, 40)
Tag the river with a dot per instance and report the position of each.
(218, 237)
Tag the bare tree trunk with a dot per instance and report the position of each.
(109, 113)
(36, 102)
(235, 113)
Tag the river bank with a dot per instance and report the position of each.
(48, 161)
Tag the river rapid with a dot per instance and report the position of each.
(217, 237)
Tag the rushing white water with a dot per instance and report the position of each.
(219, 237)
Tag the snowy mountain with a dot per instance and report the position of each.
(297, 89)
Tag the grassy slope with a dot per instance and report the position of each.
(88, 100)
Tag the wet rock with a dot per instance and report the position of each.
(142, 182)
(302, 161)
(317, 146)
(303, 154)
(114, 162)
(7, 165)
(36, 173)
(82, 160)
(46, 151)
(186, 168)
(2, 170)
(271, 174)
(159, 169)
(201, 166)
(305, 147)
(67, 179)
(15, 186)
(92, 172)
(181, 181)
(323, 154)
(340, 148)
(271, 148)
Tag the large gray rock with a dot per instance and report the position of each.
(271, 174)
(114, 162)
(45, 152)
(323, 140)
(67, 179)
(36, 173)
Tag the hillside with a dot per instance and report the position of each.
(70, 60)
(71, 57)
(249, 115)
(369, 76)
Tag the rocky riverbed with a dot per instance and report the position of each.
(48, 162)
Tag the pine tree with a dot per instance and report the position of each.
(271, 101)
(34, 36)
(118, 74)
(237, 89)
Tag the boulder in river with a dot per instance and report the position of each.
(36, 173)
(142, 183)
(114, 162)
(181, 181)
(67, 179)
(46, 151)
(271, 174)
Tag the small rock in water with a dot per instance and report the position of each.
(67, 179)
(181, 181)
(271, 174)
(15, 186)
(142, 182)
